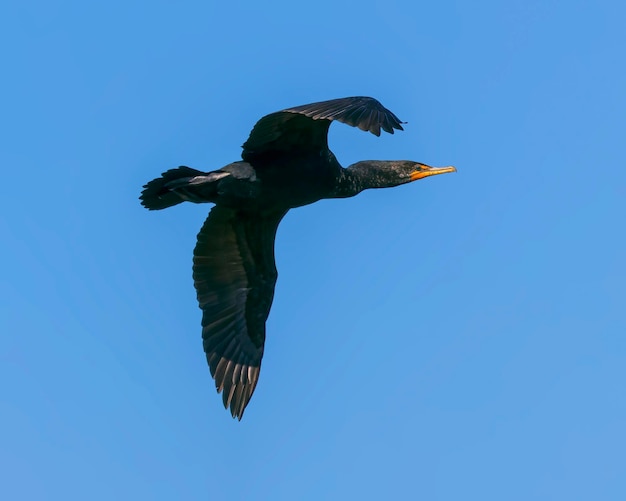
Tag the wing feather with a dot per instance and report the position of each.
(306, 127)
(235, 275)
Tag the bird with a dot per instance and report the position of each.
(286, 163)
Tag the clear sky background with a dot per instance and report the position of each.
(459, 338)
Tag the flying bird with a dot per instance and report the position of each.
(286, 163)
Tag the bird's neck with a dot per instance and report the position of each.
(364, 175)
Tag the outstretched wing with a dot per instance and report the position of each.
(234, 274)
(306, 127)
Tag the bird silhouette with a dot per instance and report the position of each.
(286, 164)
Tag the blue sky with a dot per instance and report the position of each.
(457, 338)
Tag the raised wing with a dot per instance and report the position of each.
(234, 274)
(306, 127)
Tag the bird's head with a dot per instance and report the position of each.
(409, 171)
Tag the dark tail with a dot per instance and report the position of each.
(158, 195)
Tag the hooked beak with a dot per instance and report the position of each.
(426, 171)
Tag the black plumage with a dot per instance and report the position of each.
(286, 164)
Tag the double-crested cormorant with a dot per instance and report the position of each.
(286, 164)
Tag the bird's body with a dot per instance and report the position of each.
(272, 186)
(286, 164)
